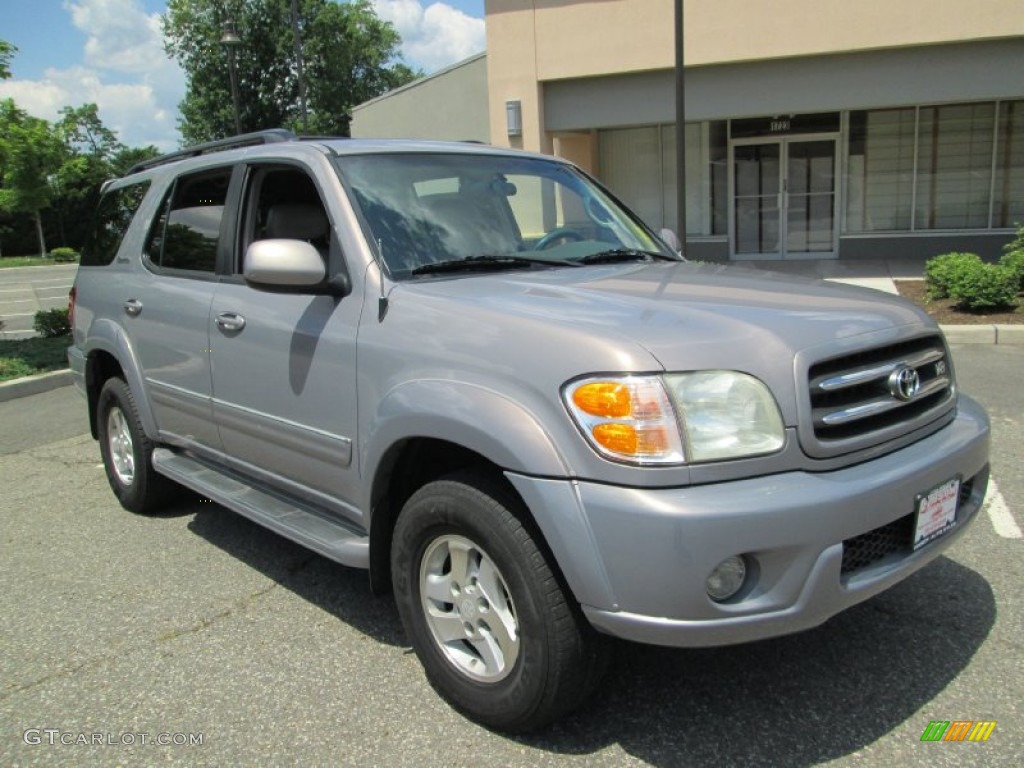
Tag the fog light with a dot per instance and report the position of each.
(727, 578)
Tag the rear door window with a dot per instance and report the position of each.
(187, 231)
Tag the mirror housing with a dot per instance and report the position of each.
(671, 239)
(271, 264)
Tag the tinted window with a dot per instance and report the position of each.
(186, 232)
(113, 216)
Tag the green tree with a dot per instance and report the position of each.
(89, 149)
(349, 55)
(7, 51)
(31, 153)
(129, 156)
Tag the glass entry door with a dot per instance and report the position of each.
(784, 198)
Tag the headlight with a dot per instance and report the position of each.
(726, 414)
(637, 419)
(628, 418)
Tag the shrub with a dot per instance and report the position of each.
(51, 323)
(985, 286)
(1017, 244)
(64, 255)
(942, 272)
(1014, 261)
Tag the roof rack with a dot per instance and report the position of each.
(270, 136)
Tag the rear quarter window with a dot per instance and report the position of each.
(113, 216)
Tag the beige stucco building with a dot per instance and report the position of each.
(824, 129)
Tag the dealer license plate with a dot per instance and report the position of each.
(936, 512)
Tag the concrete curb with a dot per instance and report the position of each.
(984, 334)
(34, 385)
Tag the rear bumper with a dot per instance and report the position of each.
(638, 559)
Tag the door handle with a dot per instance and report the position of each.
(230, 321)
(133, 307)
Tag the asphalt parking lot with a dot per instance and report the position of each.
(198, 625)
(26, 290)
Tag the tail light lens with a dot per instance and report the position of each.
(71, 306)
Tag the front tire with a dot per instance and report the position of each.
(127, 451)
(496, 632)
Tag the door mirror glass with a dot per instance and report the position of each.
(283, 263)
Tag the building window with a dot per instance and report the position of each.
(718, 173)
(954, 166)
(696, 194)
(630, 158)
(1008, 204)
(880, 170)
(631, 167)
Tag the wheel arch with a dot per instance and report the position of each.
(427, 429)
(109, 353)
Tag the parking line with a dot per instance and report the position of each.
(999, 513)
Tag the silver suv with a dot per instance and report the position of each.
(474, 373)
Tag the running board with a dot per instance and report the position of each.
(289, 517)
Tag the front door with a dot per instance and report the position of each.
(784, 198)
(284, 363)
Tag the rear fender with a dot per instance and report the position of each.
(107, 336)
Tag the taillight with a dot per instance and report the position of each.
(71, 306)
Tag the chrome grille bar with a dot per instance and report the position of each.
(825, 418)
(865, 374)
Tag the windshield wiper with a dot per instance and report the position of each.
(621, 254)
(485, 263)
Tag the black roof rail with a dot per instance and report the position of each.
(324, 137)
(270, 136)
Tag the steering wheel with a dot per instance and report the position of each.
(561, 233)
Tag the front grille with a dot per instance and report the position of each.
(858, 395)
(896, 537)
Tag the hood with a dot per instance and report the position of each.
(687, 316)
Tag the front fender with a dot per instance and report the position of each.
(477, 418)
(107, 336)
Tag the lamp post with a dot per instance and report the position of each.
(297, 41)
(680, 130)
(230, 40)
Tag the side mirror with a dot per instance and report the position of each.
(671, 239)
(283, 264)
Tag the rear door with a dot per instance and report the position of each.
(284, 363)
(167, 306)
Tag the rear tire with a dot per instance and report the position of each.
(497, 634)
(127, 452)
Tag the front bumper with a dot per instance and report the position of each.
(637, 559)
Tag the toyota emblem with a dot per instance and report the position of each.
(904, 382)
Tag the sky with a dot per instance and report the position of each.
(110, 52)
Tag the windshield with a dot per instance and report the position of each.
(427, 209)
